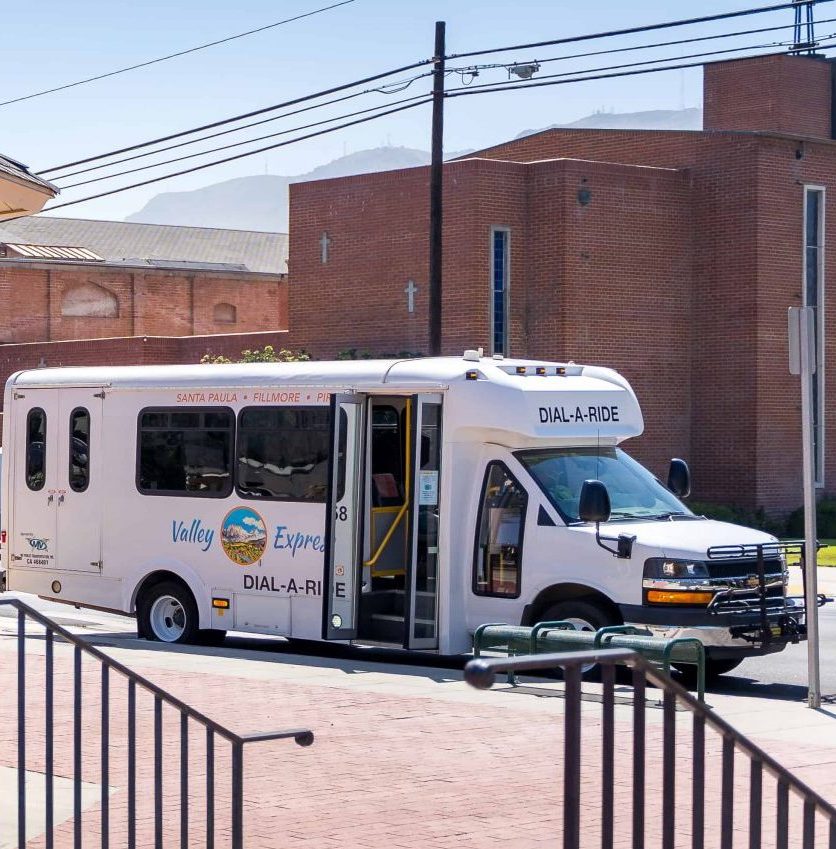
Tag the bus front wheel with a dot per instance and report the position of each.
(167, 613)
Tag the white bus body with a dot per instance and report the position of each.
(394, 502)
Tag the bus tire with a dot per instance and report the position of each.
(586, 616)
(167, 613)
(714, 668)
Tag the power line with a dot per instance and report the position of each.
(233, 130)
(403, 84)
(240, 143)
(483, 86)
(490, 88)
(240, 155)
(676, 43)
(623, 66)
(223, 122)
(174, 55)
(646, 28)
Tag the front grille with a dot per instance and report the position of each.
(742, 567)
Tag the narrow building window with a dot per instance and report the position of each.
(500, 269)
(814, 201)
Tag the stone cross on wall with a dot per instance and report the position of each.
(324, 244)
(411, 290)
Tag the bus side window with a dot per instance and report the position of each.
(185, 451)
(499, 540)
(79, 449)
(282, 453)
(36, 449)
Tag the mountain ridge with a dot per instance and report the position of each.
(260, 202)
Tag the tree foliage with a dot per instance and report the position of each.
(267, 354)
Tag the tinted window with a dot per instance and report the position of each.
(500, 534)
(186, 452)
(79, 449)
(36, 449)
(282, 453)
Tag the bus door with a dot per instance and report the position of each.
(33, 470)
(81, 479)
(422, 575)
(343, 524)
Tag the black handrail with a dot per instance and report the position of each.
(481, 673)
(301, 736)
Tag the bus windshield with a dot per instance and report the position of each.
(634, 492)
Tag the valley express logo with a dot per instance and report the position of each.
(243, 536)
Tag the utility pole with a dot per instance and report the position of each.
(436, 189)
(802, 347)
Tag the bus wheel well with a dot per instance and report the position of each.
(565, 592)
(159, 577)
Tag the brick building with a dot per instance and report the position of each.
(64, 278)
(671, 256)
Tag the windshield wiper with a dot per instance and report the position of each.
(670, 515)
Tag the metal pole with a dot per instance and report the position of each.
(436, 190)
(808, 368)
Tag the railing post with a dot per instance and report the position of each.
(131, 765)
(210, 789)
(184, 781)
(572, 759)
(237, 795)
(669, 771)
(158, 773)
(21, 729)
(608, 757)
(639, 685)
(49, 807)
(77, 748)
(105, 797)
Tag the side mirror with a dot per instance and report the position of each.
(679, 478)
(594, 503)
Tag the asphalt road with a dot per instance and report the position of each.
(779, 676)
(784, 675)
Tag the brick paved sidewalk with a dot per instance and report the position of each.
(403, 758)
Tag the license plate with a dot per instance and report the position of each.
(775, 630)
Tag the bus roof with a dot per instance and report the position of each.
(511, 401)
(438, 371)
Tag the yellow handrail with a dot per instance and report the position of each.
(407, 490)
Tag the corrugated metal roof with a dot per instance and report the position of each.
(53, 252)
(127, 243)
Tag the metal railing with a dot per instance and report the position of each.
(722, 803)
(133, 747)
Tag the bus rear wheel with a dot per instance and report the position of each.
(167, 613)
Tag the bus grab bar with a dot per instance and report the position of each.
(372, 562)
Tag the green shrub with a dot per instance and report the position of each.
(825, 520)
(756, 519)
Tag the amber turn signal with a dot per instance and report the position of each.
(663, 597)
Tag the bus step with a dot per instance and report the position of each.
(387, 627)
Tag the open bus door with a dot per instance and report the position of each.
(343, 524)
(422, 572)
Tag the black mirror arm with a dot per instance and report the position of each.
(624, 543)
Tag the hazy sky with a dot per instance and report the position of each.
(49, 43)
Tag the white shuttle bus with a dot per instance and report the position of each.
(394, 502)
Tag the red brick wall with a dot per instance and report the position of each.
(774, 94)
(134, 350)
(585, 280)
(148, 301)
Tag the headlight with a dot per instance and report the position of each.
(663, 568)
